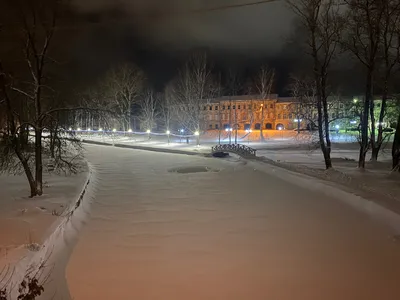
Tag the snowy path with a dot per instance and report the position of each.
(234, 234)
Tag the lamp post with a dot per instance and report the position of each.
(148, 133)
(249, 131)
(230, 136)
(236, 132)
(197, 134)
(180, 136)
(168, 134)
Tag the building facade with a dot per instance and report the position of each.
(250, 112)
(277, 113)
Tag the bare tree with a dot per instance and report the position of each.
(232, 86)
(123, 84)
(390, 55)
(363, 39)
(193, 90)
(263, 84)
(322, 20)
(148, 105)
(396, 143)
(304, 92)
(166, 107)
(38, 24)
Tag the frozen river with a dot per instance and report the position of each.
(235, 233)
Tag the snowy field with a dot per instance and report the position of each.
(297, 151)
(162, 228)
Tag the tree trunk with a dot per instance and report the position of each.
(38, 161)
(396, 147)
(261, 123)
(364, 122)
(375, 151)
(327, 147)
(376, 147)
(52, 143)
(29, 175)
(324, 149)
(298, 125)
(24, 137)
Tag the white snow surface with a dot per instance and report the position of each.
(48, 263)
(243, 230)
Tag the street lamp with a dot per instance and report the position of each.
(180, 136)
(130, 130)
(148, 133)
(114, 130)
(168, 133)
(230, 135)
(249, 131)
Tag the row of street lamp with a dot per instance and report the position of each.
(129, 131)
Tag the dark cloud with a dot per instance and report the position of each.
(256, 30)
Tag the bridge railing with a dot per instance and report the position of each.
(239, 149)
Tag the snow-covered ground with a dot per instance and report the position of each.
(210, 138)
(289, 149)
(25, 222)
(163, 229)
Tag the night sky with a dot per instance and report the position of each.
(158, 34)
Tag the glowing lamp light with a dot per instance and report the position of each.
(337, 126)
(130, 130)
(148, 131)
(197, 133)
(100, 129)
(182, 130)
(168, 132)
(114, 130)
(251, 130)
(355, 100)
(230, 129)
(89, 129)
(78, 129)
(70, 129)
(353, 122)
